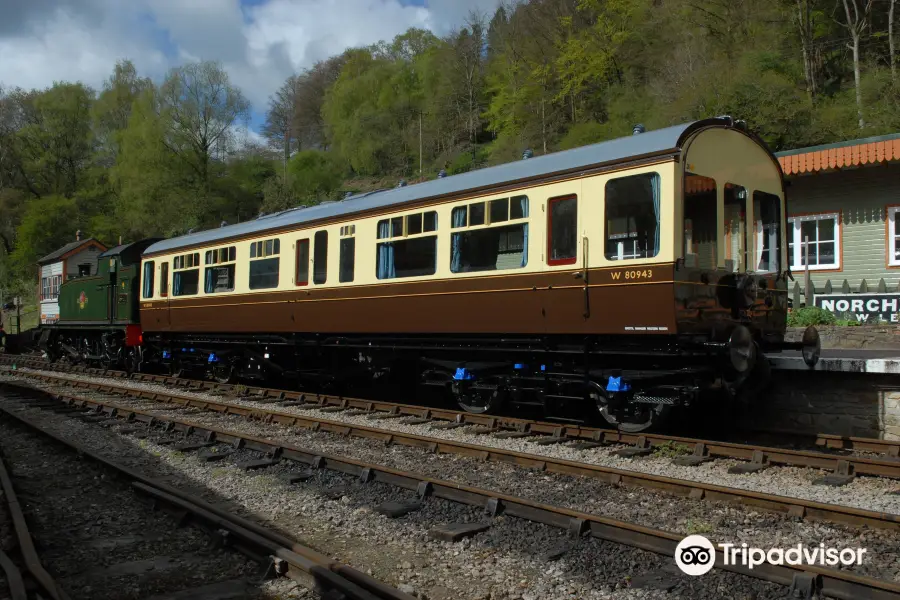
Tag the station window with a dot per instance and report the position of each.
(493, 240)
(149, 273)
(767, 213)
(302, 276)
(320, 257)
(700, 230)
(264, 264)
(632, 217)
(408, 249)
(819, 237)
(562, 239)
(164, 279)
(893, 239)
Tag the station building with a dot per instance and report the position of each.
(75, 259)
(844, 198)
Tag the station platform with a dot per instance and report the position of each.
(841, 361)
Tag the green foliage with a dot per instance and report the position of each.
(47, 223)
(810, 315)
(315, 175)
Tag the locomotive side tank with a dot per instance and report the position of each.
(631, 275)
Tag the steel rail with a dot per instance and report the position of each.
(792, 507)
(287, 556)
(878, 467)
(830, 582)
(26, 543)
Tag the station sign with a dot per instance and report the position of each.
(865, 308)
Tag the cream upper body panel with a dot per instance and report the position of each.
(726, 155)
(589, 192)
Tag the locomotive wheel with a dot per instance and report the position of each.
(177, 369)
(477, 400)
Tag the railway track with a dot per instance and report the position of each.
(263, 410)
(19, 559)
(835, 448)
(240, 546)
(807, 580)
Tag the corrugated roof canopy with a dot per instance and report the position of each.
(852, 153)
(658, 142)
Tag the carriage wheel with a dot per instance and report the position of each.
(478, 400)
(642, 418)
(224, 373)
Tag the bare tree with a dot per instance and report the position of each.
(280, 127)
(201, 106)
(805, 24)
(857, 20)
(891, 41)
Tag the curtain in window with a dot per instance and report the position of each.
(177, 286)
(459, 219)
(654, 186)
(210, 283)
(385, 252)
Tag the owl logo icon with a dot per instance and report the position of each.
(82, 300)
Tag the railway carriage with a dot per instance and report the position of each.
(631, 275)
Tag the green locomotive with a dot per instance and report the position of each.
(99, 321)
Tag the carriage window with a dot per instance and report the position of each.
(265, 248)
(219, 279)
(413, 253)
(735, 227)
(494, 247)
(767, 214)
(186, 282)
(320, 257)
(264, 264)
(347, 260)
(562, 241)
(408, 257)
(220, 255)
(632, 217)
(264, 273)
(149, 272)
(164, 279)
(303, 262)
(700, 231)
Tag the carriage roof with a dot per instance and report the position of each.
(658, 142)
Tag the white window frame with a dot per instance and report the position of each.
(795, 238)
(893, 261)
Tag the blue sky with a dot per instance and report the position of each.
(259, 42)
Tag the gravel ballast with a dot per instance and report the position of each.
(99, 541)
(718, 521)
(506, 562)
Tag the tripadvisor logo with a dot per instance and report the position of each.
(696, 555)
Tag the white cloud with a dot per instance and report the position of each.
(64, 47)
(259, 45)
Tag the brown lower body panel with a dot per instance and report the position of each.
(556, 303)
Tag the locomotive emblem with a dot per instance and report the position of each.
(82, 300)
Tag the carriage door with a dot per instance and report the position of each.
(165, 320)
(112, 291)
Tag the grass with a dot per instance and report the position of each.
(670, 450)
(696, 527)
